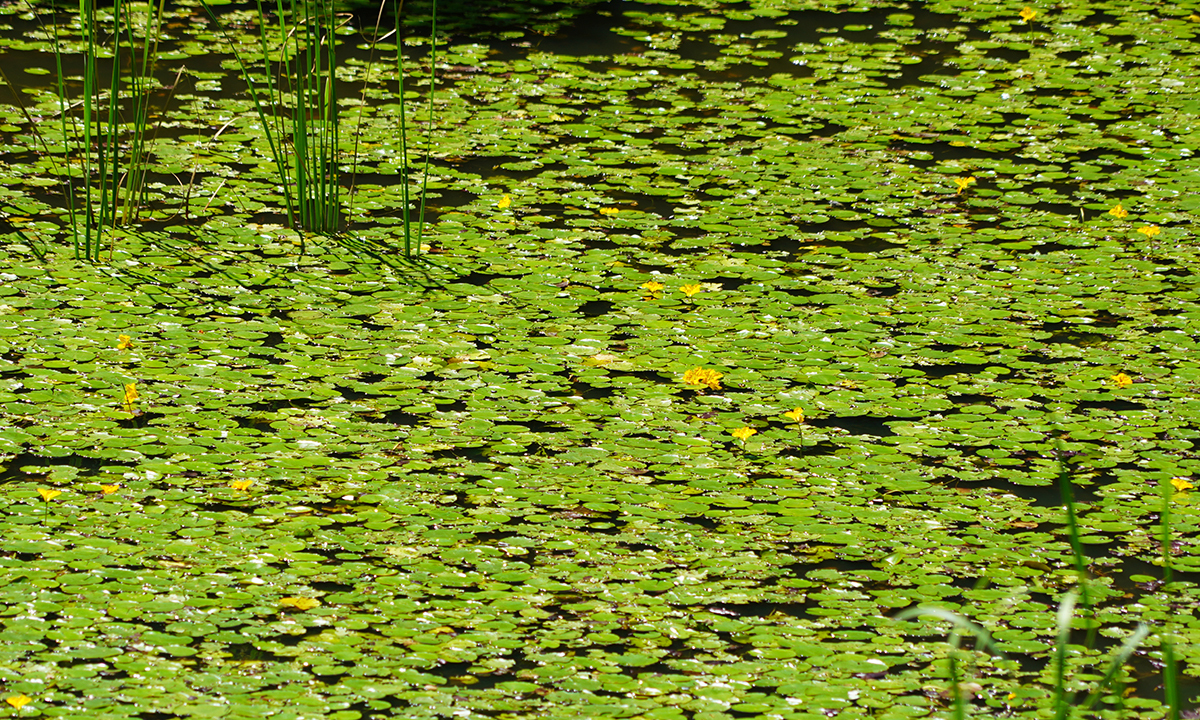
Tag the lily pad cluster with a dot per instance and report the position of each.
(740, 329)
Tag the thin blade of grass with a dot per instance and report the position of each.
(1119, 659)
(1066, 610)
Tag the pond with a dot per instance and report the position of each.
(733, 331)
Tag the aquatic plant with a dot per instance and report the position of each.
(297, 104)
(1061, 684)
(107, 154)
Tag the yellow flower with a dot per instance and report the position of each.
(131, 393)
(703, 376)
(504, 202)
(743, 433)
(48, 495)
(609, 211)
(109, 489)
(1121, 380)
(300, 603)
(1149, 230)
(652, 286)
(1028, 14)
(962, 183)
(1181, 484)
(797, 415)
(1119, 212)
(241, 484)
(124, 342)
(18, 701)
(692, 289)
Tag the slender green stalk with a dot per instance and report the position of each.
(1171, 666)
(141, 86)
(87, 19)
(960, 625)
(1121, 656)
(97, 143)
(1068, 498)
(310, 173)
(411, 243)
(1167, 491)
(1066, 609)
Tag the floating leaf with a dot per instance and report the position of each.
(48, 494)
(18, 701)
(300, 603)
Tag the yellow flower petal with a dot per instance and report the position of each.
(652, 286)
(48, 494)
(1121, 380)
(703, 376)
(962, 183)
(124, 342)
(241, 484)
(609, 211)
(1181, 484)
(797, 415)
(504, 202)
(1149, 230)
(1119, 212)
(131, 393)
(18, 701)
(691, 289)
(1028, 14)
(300, 603)
(109, 489)
(743, 433)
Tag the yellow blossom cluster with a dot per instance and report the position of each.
(703, 376)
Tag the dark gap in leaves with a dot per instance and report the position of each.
(941, 371)
(970, 399)
(856, 425)
(596, 308)
(1111, 405)
(819, 449)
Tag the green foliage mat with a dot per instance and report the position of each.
(344, 486)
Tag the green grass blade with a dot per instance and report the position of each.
(1066, 610)
(272, 132)
(1067, 493)
(1114, 667)
(428, 126)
